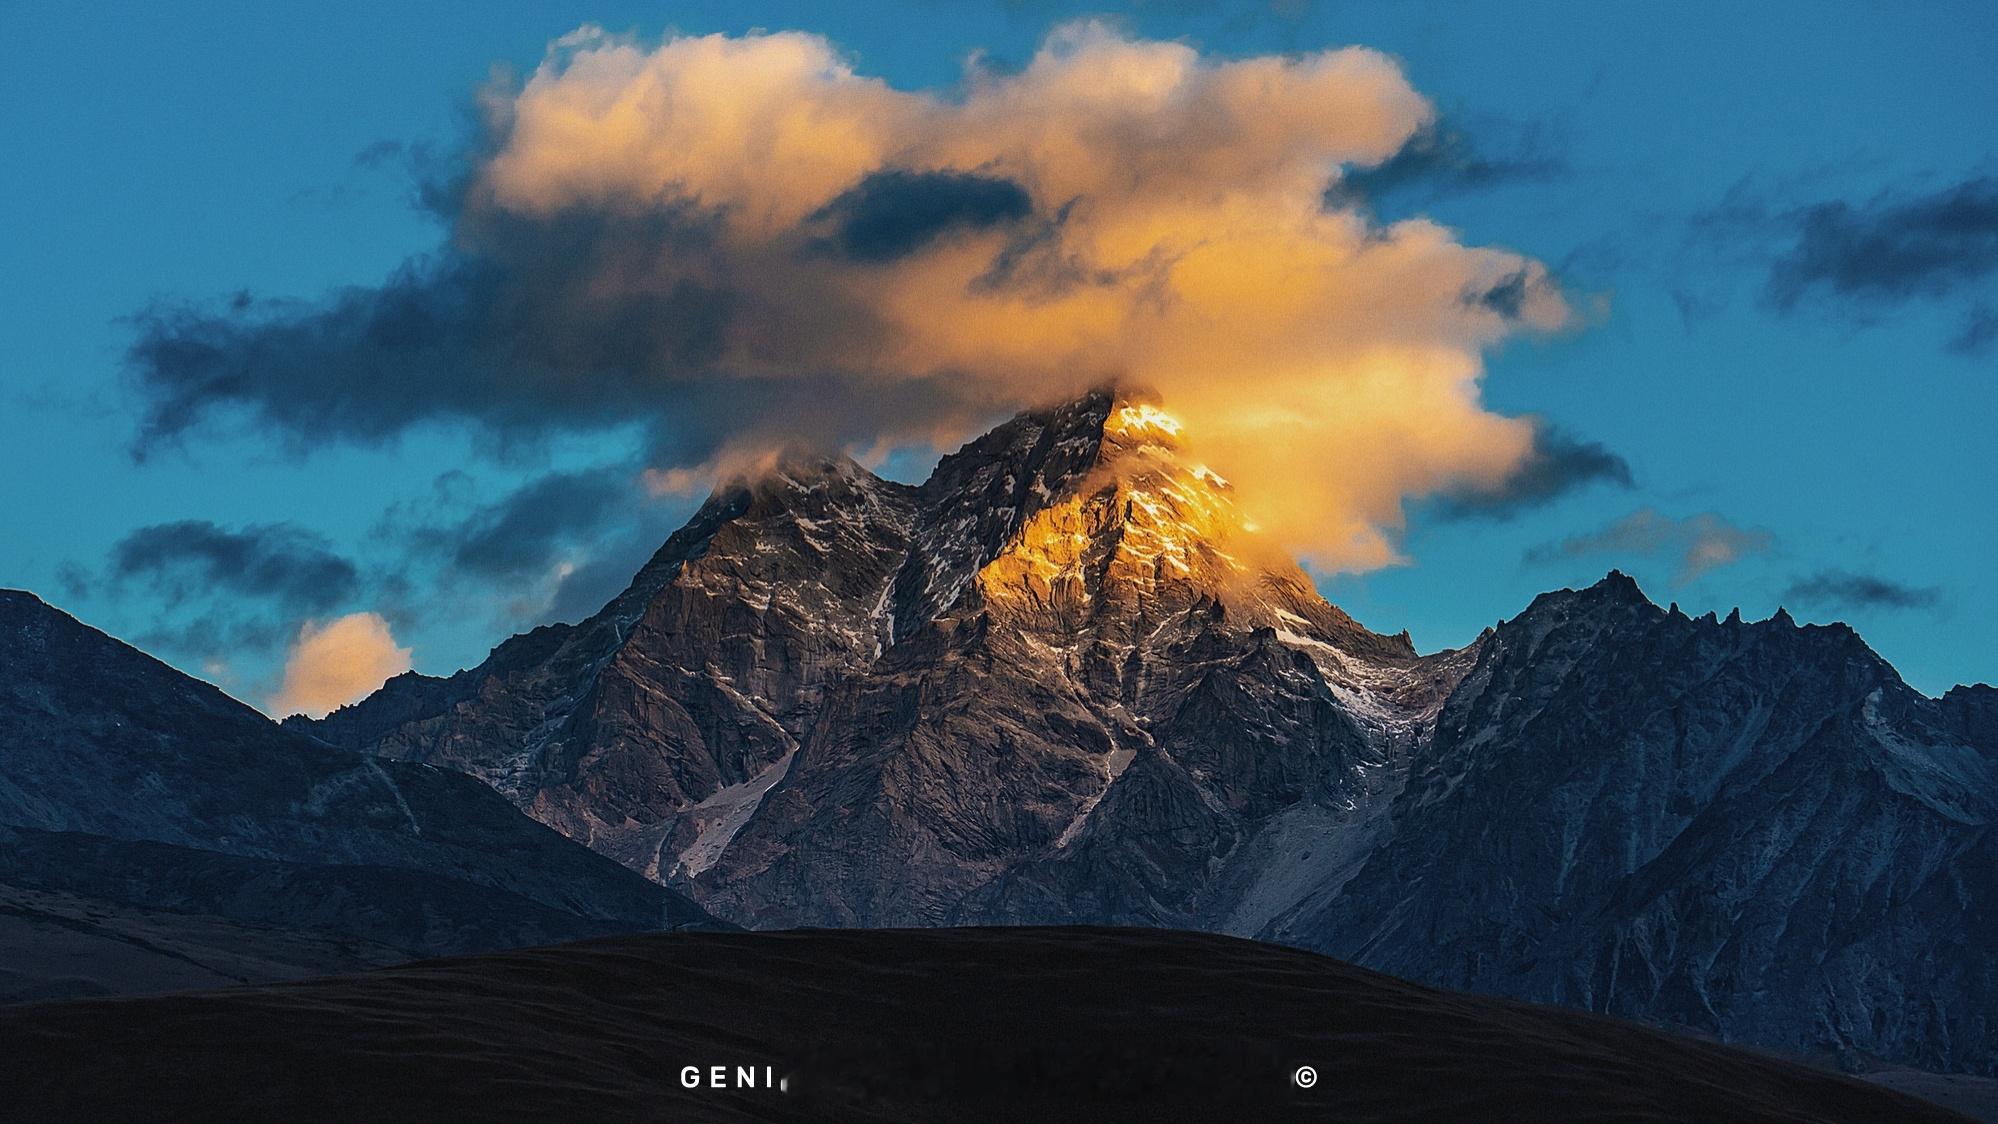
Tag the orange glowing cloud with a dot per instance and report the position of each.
(1130, 211)
(335, 663)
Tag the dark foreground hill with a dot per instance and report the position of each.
(897, 1025)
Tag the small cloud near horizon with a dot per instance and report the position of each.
(337, 662)
(1845, 589)
(1696, 545)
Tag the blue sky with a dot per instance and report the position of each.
(1666, 163)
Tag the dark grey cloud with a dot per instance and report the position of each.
(1507, 297)
(217, 592)
(506, 328)
(1559, 464)
(74, 580)
(1443, 159)
(892, 214)
(1858, 260)
(523, 533)
(289, 567)
(557, 547)
(512, 330)
(217, 633)
(1843, 589)
(1892, 247)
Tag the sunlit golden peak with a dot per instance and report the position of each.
(1143, 421)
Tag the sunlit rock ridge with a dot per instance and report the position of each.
(1064, 680)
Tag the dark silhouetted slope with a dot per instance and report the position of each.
(976, 1024)
(127, 783)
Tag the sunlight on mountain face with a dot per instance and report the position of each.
(1140, 422)
(1147, 526)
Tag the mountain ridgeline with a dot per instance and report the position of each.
(1063, 681)
(155, 833)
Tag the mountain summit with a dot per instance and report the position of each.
(1063, 680)
(1066, 599)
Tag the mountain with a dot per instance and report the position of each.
(891, 1025)
(155, 832)
(1065, 680)
(1754, 830)
(832, 699)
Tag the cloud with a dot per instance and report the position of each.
(1510, 296)
(1859, 260)
(1891, 248)
(214, 592)
(1697, 544)
(1860, 591)
(743, 244)
(214, 632)
(893, 214)
(335, 663)
(294, 569)
(1442, 159)
(554, 548)
(525, 531)
(1558, 464)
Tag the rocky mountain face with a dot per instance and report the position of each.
(1754, 830)
(1060, 679)
(151, 814)
(1064, 681)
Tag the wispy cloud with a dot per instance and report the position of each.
(1696, 545)
(1844, 589)
(555, 547)
(1443, 158)
(1891, 247)
(218, 595)
(1860, 259)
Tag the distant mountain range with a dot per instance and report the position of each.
(156, 833)
(1063, 681)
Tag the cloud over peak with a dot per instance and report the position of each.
(743, 244)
